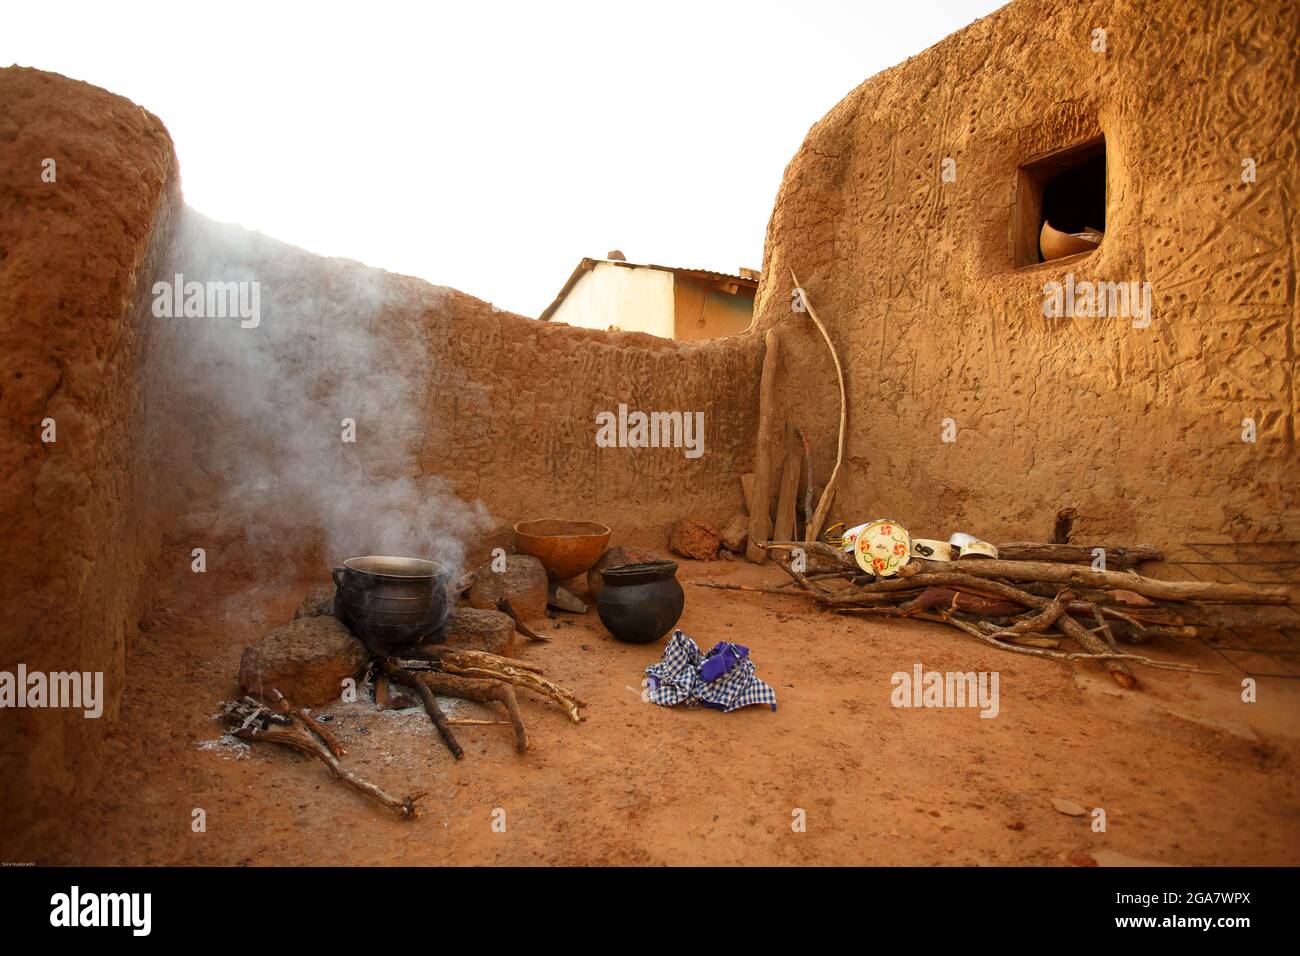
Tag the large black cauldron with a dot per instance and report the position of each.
(389, 602)
(640, 603)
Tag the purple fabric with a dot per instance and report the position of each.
(721, 659)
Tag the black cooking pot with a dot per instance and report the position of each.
(390, 602)
(640, 603)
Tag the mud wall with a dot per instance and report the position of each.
(1140, 429)
(75, 238)
(512, 420)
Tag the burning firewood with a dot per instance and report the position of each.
(411, 680)
(475, 675)
(485, 691)
(494, 667)
(282, 723)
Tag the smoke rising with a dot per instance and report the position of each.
(261, 410)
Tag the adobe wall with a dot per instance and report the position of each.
(1140, 429)
(76, 340)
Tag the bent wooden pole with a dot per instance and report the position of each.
(818, 519)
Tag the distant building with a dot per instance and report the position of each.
(682, 304)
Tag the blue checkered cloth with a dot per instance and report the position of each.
(676, 679)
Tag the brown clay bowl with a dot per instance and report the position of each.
(1054, 244)
(565, 548)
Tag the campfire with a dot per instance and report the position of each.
(396, 615)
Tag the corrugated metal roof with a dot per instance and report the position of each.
(586, 265)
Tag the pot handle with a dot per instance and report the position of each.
(337, 574)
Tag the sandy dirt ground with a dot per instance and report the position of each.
(1186, 772)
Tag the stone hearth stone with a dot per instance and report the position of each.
(523, 581)
(565, 600)
(694, 538)
(612, 559)
(307, 660)
(735, 533)
(319, 600)
(473, 629)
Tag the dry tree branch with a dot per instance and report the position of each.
(301, 742)
(1040, 622)
(971, 629)
(307, 722)
(799, 577)
(493, 667)
(1206, 591)
(854, 599)
(260, 724)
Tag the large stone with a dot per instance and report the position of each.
(319, 600)
(307, 660)
(612, 559)
(735, 533)
(694, 538)
(473, 629)
(523, 582)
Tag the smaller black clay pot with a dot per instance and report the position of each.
(640, 603)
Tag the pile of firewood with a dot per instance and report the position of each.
(1030, 600)
(428, 670)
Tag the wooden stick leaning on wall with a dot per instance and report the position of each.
(784, 527)
(760, 519)
(818, 518)
(807, 477)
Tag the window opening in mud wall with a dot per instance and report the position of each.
(1061, 204)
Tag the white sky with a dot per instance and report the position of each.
(486, 146)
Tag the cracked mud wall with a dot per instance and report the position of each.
(77, 337)
(1140, 429)
(513, 410)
